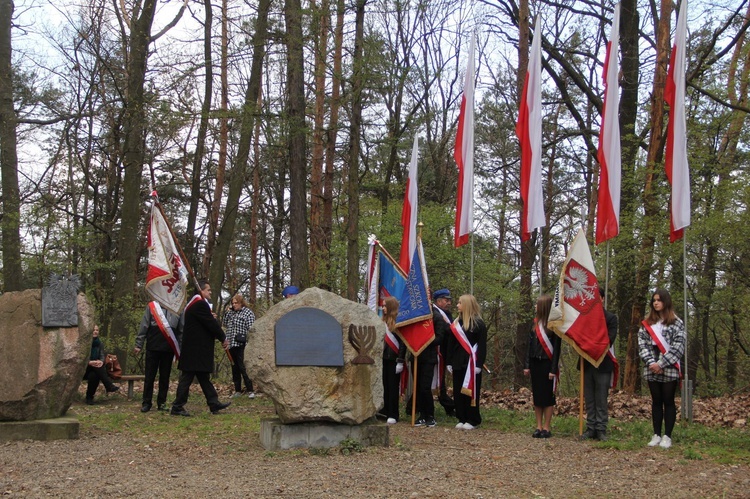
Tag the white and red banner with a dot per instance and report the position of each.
(166, 279)
(409, 211)
(468, 386)
(464, 156)
(676, 161)
(166, 330)
(610, 173)
(577, 315)
(529, 132)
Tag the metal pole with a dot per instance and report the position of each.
(686, 407)
(471, 284)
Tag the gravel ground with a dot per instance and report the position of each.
(420, 462)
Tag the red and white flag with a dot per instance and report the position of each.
(464, 156)
(676, 162)
(529, 132)
(409, 211)
(608, 205)
(577, 314)
(167, 277)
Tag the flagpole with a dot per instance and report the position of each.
(580, 402)
(414, 391)
(182, 255)
(687, 405)
(606, 279)
(471, 285)
(541, 255)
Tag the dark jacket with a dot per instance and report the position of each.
(536, 351)
(607, 366)
(458, 357)
(389, 354)
(200, 333)
(152, 335)
(444, 329)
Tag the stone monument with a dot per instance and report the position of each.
(334, 392)
(40, 368)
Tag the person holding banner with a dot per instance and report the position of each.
(661, 343)
(161, 330)
(394, 352)
(542, 365)
(197, 355)
(237, 322)
(468, 352)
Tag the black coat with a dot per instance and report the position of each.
(607, 366)
(200, 331)
(458, 357)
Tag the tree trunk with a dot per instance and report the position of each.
(11, 216)
(248, 117)
(352, 249)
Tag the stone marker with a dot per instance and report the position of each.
(351, 394)
(40, 368)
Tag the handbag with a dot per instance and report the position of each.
(241, 337)
(114, 370)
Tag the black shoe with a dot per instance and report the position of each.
(113, 389)
(420, 422)
(219, 407)
(589, 434)
(89, 401)
(430, 423)
(179, 412)
(545, 434)
(602, 435)
(537, 433)
(145, 407)
(163, 407)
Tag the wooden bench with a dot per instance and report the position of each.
(131, 378)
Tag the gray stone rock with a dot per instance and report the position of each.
(350, 394)
(40, 368)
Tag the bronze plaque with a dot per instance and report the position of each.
(309, 337)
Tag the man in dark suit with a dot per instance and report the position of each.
(442, 319)
(596, 382)
(197, 355)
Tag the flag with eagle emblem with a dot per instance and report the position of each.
(577, 314)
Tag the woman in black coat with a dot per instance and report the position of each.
(95, 370)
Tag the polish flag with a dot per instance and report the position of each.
(409, 212)
(464, 156)
(529, 132)
(577, 314)
(167, 277)
(608, 206)
(676, 162)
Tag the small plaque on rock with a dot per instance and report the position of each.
(309, 337)
(60, 301)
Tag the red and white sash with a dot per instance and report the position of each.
(195, 299)
(661, 342)
(391, 341)
(544, 340)
(469, 384)
(161, 320)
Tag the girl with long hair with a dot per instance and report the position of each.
(394, 351)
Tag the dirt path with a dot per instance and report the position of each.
(421, 462)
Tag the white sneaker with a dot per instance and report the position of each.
(235, 395)
(460, 426)
(251, 395)
(654, 440)
(666, 442)
(469, 426)
(391, 421)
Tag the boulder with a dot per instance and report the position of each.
(349, 394)
(40, 368)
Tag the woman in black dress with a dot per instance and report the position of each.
(541, 364)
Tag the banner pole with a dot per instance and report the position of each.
(580, 402)
(414, 392)
(687, 401)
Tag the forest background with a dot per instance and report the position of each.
(278, 136)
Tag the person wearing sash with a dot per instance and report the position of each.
(394, 352)
(661, 343)
(238, 319)
(468, 352)
(542, 365)
(596, 384)
(442, 320)
(197, 356)
(161, 330)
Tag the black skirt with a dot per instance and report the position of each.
(542, 387)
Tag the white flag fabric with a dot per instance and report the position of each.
(610, 173)
(409, 211)
(464, 156)
(577, 315)
(676, 161)
(167, 278)
(529, 132)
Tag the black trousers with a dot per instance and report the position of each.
(183, 389)
(390, 389)
(95, 375)
(423, 390)
(161, 363)
(464, 411)
(238, 369)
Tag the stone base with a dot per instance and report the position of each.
(274, 435)
(64, 428)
